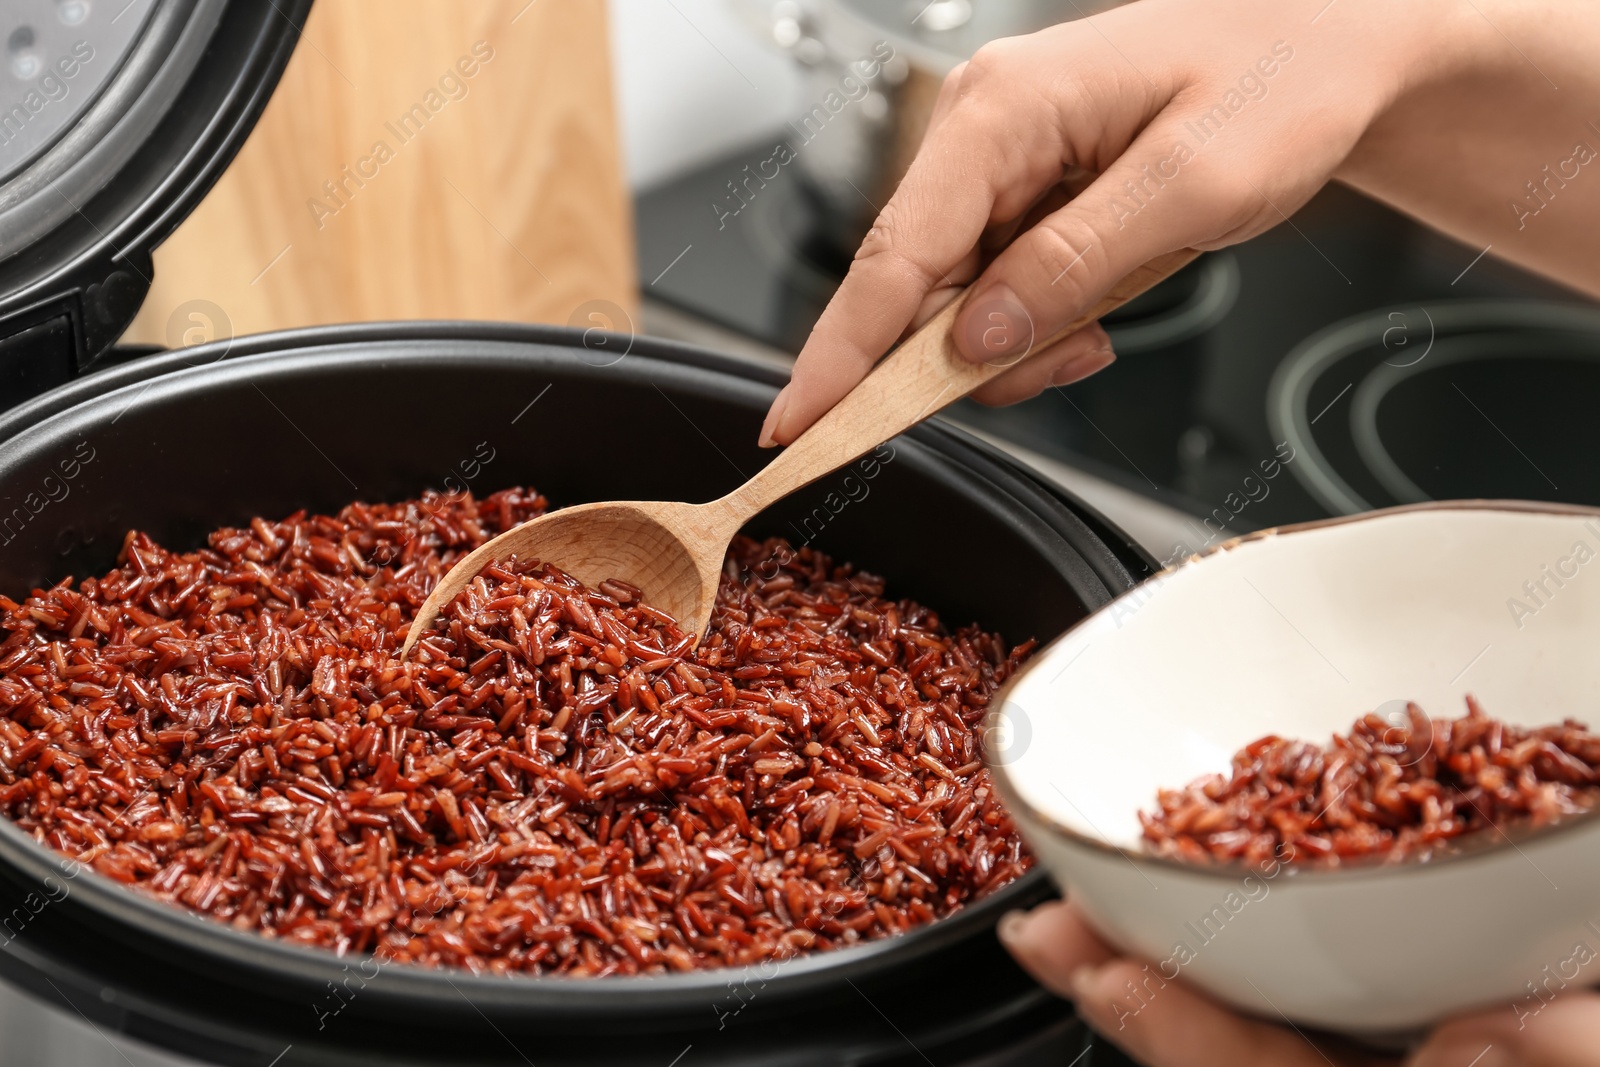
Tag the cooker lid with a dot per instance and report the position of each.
(59, 56)
(116, 116)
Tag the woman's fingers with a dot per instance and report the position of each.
(932, 304)
(1171, 183)
(930, 226)
(1162, 1022)
(1073, 357)
(1561, 1032)
(949, 91)
(1004, 231)
(1069, 359)
(1188, 152)
(1052, 942)
(1059, 268)
(1158, 1020)
(998, 145)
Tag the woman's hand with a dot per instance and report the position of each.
(1197, 125)
(1175, 1026)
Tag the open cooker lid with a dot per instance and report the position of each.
(116, 116)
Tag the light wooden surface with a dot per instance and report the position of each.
(502, 197)
(673, 552)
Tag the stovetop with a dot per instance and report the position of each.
(767, 272)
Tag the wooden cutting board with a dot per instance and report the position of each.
(420, 159)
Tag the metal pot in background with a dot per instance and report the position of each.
(869, 143)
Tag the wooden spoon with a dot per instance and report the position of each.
(674, 552)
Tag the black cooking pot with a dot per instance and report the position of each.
(181, 443)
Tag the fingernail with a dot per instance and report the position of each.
(1011, 930)
(774, 417)
(1081, 367)
(996, 327)
(1082, 982)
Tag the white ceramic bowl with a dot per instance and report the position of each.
(1298, 632)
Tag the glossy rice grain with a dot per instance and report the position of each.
(555, 782)
(1386, 791)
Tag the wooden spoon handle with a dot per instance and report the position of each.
(918, 379)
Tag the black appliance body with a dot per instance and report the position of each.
(181, 443)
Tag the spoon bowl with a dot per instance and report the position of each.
(655, 546)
